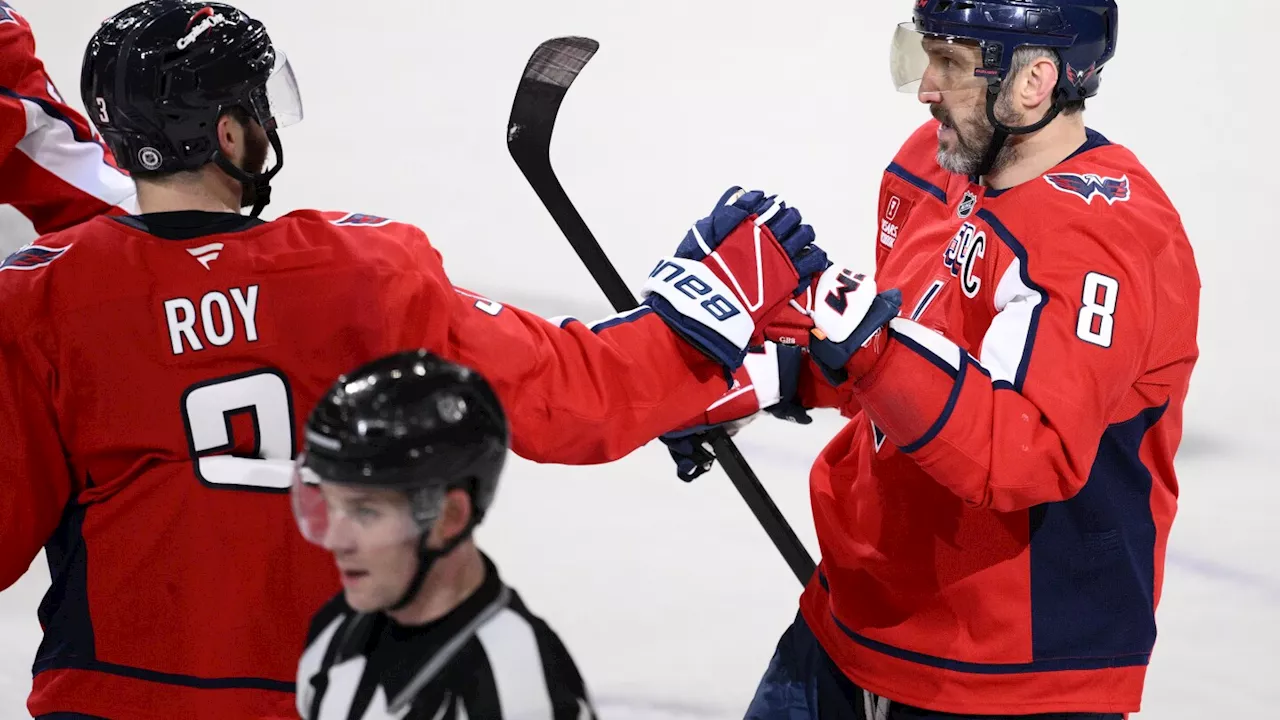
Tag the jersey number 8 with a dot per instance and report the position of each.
(1096, 322)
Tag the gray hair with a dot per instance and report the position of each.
(1025, 55)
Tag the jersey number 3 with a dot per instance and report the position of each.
(208, 410)
(1096, 323)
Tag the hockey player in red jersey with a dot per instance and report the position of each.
(53, 168)
(155, 371)
(993, 519)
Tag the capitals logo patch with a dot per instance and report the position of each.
(7, 14)
(362, 220)
(1113, 190)
(32, 257)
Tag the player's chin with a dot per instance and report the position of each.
(360, 592)
(363, 599)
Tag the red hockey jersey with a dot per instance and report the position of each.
(153, 392)
(993, 520)
(53, 167)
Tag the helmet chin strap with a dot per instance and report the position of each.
(426, 559)
(1004, 132)
(256, 188)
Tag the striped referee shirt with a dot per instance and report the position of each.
(489, 658)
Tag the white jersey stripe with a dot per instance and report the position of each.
(512, 649)
(51, 144)
(940, 347)
(1007, 341)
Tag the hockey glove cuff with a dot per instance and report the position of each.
(844, 318)
(768, 381)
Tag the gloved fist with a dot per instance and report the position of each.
(732, 272)
(767, 381)
(840, 319)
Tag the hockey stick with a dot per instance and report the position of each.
(551, 70)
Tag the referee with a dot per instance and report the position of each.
(401, 461)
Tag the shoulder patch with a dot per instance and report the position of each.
(362, 220)
(7, 13)
(32, 257)
(1088, 186)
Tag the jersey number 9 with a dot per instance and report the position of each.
(207, 412)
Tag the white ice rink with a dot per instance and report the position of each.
(670, 595)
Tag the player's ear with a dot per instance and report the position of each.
(1038, 82)
(231, 136)
(454, 516)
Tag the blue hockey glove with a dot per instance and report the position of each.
(732, 272)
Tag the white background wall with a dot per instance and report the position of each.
(670, 592)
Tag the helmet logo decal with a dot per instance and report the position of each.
(150, 158)
(452, 408)
(1080, 77)
(199, 24)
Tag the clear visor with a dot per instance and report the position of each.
(278, 103)
(922, 63)
(357, 518)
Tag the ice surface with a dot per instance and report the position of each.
(668, 594)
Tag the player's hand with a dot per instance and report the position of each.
(733, 271)
(767, 381)
(841, 320)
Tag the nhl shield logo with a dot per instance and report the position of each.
(967, 204)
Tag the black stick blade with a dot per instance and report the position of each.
(558, 61)
(552, 68)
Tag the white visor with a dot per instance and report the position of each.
(279, 103)
(934, 63)
(337, 515)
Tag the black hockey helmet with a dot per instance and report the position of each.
(412, 422)
(158, 75)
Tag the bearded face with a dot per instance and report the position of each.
(957, 99)
(966, 133)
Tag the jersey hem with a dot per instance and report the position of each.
(1110, 690)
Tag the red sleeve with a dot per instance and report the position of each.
(814, 390)
(574, 393)
(35, 483)
(53, 167)
(17, 62)
(1021, 426)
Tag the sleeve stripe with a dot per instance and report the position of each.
(925, 185)
(50, 110)
(623, 317)
(766, 381)
(947, 409)
(53, 142)
(1006, 349)
(924, 342)
(926, 300)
